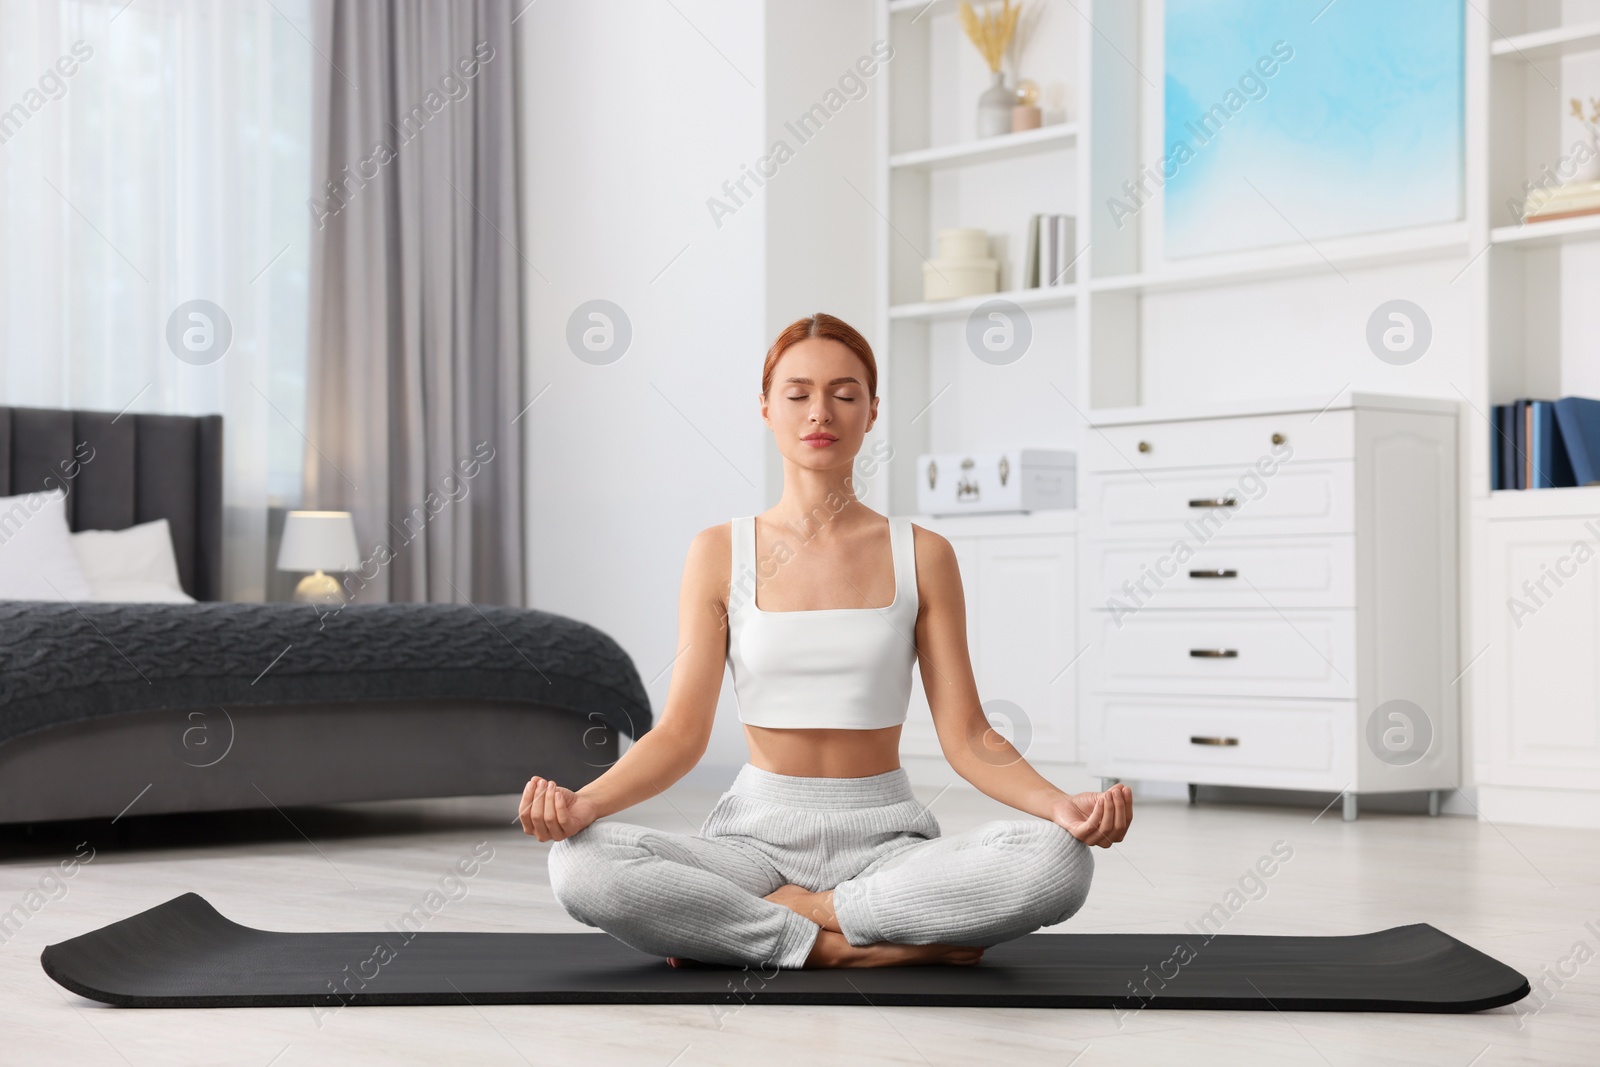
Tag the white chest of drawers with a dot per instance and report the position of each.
(1269, 596)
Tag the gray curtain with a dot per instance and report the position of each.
(415, 358)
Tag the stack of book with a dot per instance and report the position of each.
(1545, 444)
(1052, 251)
(1565, 202)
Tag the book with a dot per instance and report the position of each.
(1498, 452)
(1574, 198)
(1571, 213)
(1560, 469)
(1545, 444)
(1048, 250)
(1519, 429)
(1066, 250)
(1030, 263)
(1578, 419)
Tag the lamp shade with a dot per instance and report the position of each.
(319, 541)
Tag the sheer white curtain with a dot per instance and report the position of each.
(154, 153)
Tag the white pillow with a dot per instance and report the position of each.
(37, 561)
(132, 564)
(116, 591)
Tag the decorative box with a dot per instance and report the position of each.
(1015, 479)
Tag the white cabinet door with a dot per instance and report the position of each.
(1027, 652)
(1543, 709)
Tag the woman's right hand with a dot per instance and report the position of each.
(1096, 818)
(553, 812)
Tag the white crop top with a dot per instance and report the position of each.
(830, 668)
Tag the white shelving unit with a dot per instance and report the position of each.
(933, 173)
(1092, 359)
(1532, 626)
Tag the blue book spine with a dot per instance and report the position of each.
(1540, 461)
(1519, 435)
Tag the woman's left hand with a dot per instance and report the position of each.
(1096, 818)
(553, 812)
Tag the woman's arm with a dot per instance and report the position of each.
(974, 749)
(670, 748)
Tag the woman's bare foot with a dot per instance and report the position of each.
(832, 950)
(818, 907)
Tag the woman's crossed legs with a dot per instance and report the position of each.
(980, 887)
(719, 900)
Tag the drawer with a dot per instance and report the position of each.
(1195, 506)
(1225, 573)
(1294, 744)
(1232, 442)
(1266, 652)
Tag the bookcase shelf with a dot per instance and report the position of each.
(1397, 246)
(1540, 503)
(1543, 234)
(1542, 45)
(1043, 296)
(989, 149)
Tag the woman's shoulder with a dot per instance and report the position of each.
(929, 543)
(713, 541)
(935, 561)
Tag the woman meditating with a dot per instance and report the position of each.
(818, 855)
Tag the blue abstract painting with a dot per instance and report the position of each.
(1289, 122)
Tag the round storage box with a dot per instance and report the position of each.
(946, 280)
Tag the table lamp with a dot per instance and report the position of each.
(319, 541)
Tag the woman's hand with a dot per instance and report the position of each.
(1096, 818)
(553, 812)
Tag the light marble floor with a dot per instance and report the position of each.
(1523, 895)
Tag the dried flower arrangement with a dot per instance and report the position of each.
(1594, 111)
(990, 33)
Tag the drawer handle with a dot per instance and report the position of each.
(1217, 573)
(1223, 741)
(1215, 502)
(1214, 653)
(1144, 446)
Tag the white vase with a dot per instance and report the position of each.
(1589, 169)
(994, 107)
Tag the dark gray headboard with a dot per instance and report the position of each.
(120, 470)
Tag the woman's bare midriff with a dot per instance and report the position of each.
(806, 753)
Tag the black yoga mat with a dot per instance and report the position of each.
(185, 954)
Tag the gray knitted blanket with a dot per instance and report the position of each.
(61, 663)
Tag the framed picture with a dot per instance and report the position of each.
(1290, 122)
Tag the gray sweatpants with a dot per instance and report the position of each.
(894, 876)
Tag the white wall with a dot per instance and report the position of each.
(634, 114)
(820, 210)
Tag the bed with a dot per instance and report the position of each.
(140, 708)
